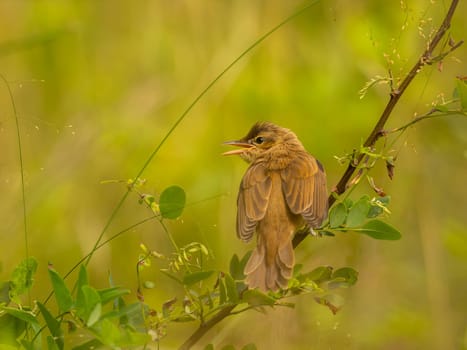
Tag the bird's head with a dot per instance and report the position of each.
(263, 138)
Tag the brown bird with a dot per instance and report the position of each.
(283, 189)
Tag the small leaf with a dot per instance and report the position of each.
(52, 324)
(82, 277)
(196, 277)
(51, 344)
(94, 315)
(350, 275)
(348, 202)
(209, 347)
(231, 289)
(109, 294)
(236, 268)
(461, 92)
(250, 346)
(23, 315)
(337, 215)
(320, 274)
(222, 292)
(378, 207)
(87, 302)
(374, 211)
(379, 230)
(172, 202)
(11, 329)
(61, 291)
(256, 298)
(327, 233)
(358, 212)
(23, 277)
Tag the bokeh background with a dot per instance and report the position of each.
(98, 84)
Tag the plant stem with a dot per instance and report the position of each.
(206, 326)
(21, 166)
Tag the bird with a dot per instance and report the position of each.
(283, 189)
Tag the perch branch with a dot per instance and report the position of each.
(202, 330)
(395, 95)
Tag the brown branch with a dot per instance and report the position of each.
(342, 184)
(395, 95)
(206, 326)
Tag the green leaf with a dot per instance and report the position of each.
(348, 274)
(236, 268)
(327, 233)
(196, 277)
(23, 315)
(256, 298)
(51, 344)
(62, 293)
(52, 324)
(379, 230)
(358, 212)
(319, 274)
(348, 202)
(376, 210)
(209, 347)
(250, 346)
(110, 294)
(231, 288)
(461, 92)
(82, 278)
(87, 304)
(11, 329)
(94, 315)
(337, 215)
(222, 292)
(23, 276)
(172, 202)
(115, 337)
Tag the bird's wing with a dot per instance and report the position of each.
(304, 188)
(252, 200)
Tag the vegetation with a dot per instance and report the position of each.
(162, 268)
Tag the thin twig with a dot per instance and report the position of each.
(429, 115)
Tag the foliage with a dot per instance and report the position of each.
(86, 316)
(103, 318)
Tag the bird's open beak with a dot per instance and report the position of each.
(243, 147)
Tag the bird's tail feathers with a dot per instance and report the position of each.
(272, 276)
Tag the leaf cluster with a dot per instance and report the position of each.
(97, 317)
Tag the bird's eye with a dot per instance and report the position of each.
(259, 140)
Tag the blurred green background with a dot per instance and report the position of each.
(97, 85)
